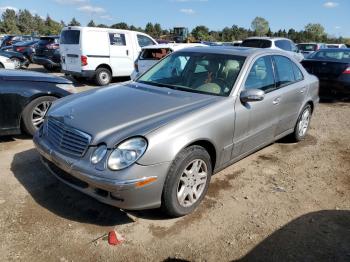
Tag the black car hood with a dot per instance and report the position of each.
(21, 75)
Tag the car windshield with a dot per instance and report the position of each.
(307, 47)
(257, 43)
(338, 55)
(213, 74)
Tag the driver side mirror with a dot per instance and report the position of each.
(252, 95)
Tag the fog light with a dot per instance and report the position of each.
(98, 154)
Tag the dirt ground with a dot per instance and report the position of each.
(287, 202)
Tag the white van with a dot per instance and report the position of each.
(100, 53)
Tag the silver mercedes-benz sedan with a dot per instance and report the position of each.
(156, 141)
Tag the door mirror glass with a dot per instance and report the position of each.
(252, 95)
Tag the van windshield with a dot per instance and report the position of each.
(70, 37)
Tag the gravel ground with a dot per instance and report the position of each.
(287, 202)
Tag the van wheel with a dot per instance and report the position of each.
(103, 76)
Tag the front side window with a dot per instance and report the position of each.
(284, 71)
(144, 40)
(213, 74)
(154, 53)
(117, 39)
(261, 75)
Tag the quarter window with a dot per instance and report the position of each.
(297, 73)
(284, 71)
(117, 39)
(284, 44)
(261, 75)
(144, 41)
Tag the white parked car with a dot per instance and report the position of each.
(150, 55)
(336, 46)
(279, 43)
(100, 53)
(6, 63)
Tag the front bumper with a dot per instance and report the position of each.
(123, 193)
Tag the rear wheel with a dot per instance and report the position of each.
(302, 124)
(33, 114)
(187, 181)
(103, 76)
(1, 66)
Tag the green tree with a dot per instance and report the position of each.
(74, 22)
(25, 22)
(91, 24)
(315, 31)
(9, 22)
(260, 26)
(201, 33)
(157, 30)
(149, 29)
(120, 25)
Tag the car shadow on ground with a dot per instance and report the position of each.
(59, 198)
(317, 236)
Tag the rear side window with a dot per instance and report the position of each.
(144, 40)
(284, 44)
(261, 75)
(117, 39)
(257, 43)
(307, 47)
(284, 71)
(70, 37)
(154, 54)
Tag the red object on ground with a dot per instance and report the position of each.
(113, 238)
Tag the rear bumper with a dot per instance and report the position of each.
(83, 73)
(41, 60)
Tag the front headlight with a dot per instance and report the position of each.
(98, 154)
(68, 87)
(127, 153)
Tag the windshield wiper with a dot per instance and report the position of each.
(159, 84)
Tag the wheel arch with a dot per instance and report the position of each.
(208, 146)
(106, 66)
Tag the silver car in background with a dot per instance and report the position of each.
(156, 141)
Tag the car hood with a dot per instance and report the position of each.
(115, 113)
(22, 75)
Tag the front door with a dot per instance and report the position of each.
(256, 122)
(121, 54)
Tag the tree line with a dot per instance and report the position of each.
(24, 22)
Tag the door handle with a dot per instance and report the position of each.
(276, 101)
(127, 52)
(302, 90)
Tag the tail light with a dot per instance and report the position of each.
(136, 66)
(52, 46)
(84, 61)
(347, 71)
(20, 49)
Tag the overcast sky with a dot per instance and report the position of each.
(215, 14)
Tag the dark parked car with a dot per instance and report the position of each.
(26, 48)
(25, 97)
(9, 40)
(47, 53)
(19, 59)
(332, 67)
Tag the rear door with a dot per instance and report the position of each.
(121, 55)
(290, 81)
(70, 50)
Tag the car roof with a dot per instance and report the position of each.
(173, 46)
(267, 38)
(234, 50)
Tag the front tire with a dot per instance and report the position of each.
(33, 114)
(103, 76)
(302, 124)
(187, 181)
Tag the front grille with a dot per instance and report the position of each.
(67, 139)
